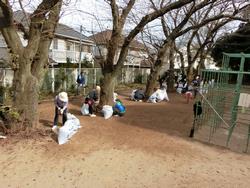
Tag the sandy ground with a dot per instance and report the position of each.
(149, 147)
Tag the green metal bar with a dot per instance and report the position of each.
(223, 61)
(225, 71)
(236, 99)
(239, 55)
(248, 138)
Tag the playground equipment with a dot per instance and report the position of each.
(225, 100)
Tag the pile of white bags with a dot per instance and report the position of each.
(159, 95)
(69, 128)
(85, 109)
(107, 111)
(162, 95)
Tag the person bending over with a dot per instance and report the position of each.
(61, 108)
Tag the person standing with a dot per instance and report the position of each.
(61, 108)
(80, 81)
(196, 84)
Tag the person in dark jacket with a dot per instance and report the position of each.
(93, 99)
(80, 81)
(139, 95)
(61, 107)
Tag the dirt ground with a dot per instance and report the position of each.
(148, 147)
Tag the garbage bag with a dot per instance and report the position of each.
(69, 128)
(85, 109)
(162, 95)
(132, 95)
(107, 111)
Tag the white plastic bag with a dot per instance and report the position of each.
(115, 95)
(153, 98)
(132, 95)
(162, 95)
(107, 111)
(69, 128)
(85, 109)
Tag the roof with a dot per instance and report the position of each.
(104, 36)
(145, 63)
(61, 29)
(67, 31)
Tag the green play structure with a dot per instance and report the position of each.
(225, 100)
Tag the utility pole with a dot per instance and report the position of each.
(80, 49)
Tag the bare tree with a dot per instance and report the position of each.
(110, 68)
(179, 26)
(29, 61)
(200, 44)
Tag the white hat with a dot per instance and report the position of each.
(63, 96)
(98, 88)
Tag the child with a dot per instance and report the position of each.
(61, 107)
(119, 109)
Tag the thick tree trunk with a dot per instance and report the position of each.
(107, 90)
(155, 70)
(152, 81)
(26, 95)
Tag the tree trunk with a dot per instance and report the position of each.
(155, 70)
(171, 77)
(107, 90)
(201, 64)
(152, 81)
(26, 95)
(190, 73)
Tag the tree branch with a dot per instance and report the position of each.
(38, 18)
(8, 29)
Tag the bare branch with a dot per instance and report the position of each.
(115, 14)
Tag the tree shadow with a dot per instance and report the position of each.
(75, 112)
(54, 136)
(46, 122)
(77, 101)
(173, 118)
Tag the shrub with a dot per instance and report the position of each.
(138, 79)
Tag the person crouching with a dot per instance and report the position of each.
(92, 99)
(119, 109)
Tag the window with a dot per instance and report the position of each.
(85, 48)
(69, 46)
(55, 43)
(77, 48)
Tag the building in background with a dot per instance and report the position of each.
(137, 62)
(65, 47)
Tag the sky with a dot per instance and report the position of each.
(76, 13)
(86, 13)
(93, 15)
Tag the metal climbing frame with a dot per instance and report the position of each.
(220, 92)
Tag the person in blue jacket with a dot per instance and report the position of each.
(119, 109)
(80, 81)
